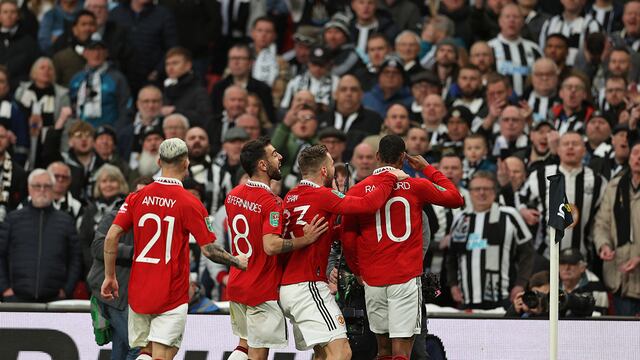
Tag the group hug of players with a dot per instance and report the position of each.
(280, 250)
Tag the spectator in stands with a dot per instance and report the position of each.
(533, 20)
(198, 24)
(51, 273)
(305, 37)
(378, 48)
(481, 55)
(146, 163)
(543, 93)
(469, 88)
(204, 170)
(291, 136)
(363, 161)
(511, 174)
(556, 48)
(81, 156)
(335, 141)
(69, 59)
(349, 115)
(266, 66)
(250, 124)
(115, 36)
(117, 310)
(234, 104)
(458, 122)
(256, 108)
(105, 140)
(183, 91)
(396, 122)
(629, 36)
(240, 63)
(574, 111)
(146, 115)
(229, 157)
(598, 132)
(109, 191)
(407, 46)
(544, 144)
(591, 61)
(416, 143)
(14, 178)
(152, 33)
(62, 197)
(10, 114)
(317, 79)
(175, 126)
(475, 150)
(514, 54)
(573, 25)
(100, 93)
(336, 37)
(512, 137)
(56, 21)
(433, 117)
(624, 63)
(474, 232)
(484, 19)
(614, 159)
(423, 84)
(611, 98)
(390, 88)
(434, 29)
(616, 224)
(446, 64)
(368, 20)
(497, 98)
(575, 278)
(404, 13)
(41, 101)
(18, 50)
(459, 12)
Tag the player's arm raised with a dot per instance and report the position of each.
(109, 289)
(274, 244)
(440, 190)
(372, 201)
(219, 255)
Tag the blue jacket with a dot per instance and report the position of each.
(39, 253)
(374, 99)
(54, 22)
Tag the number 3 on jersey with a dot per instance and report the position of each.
(387, 220)
(167, 252)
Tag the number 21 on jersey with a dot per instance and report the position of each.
(169, 237)
(387, 220)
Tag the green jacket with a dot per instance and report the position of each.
(288, 145)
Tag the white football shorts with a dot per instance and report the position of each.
(314, 314)
(263, 326)
(395, 309)
(166, 328)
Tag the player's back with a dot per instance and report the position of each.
(252, 212)
(391, 252)
(160, 214)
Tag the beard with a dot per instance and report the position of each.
(274, 172)
(148, 164)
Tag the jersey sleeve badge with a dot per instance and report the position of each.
(338, 193)
(209, 223)
(439, 187)
(274, 218)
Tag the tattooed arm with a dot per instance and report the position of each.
(219, 255)
(274, 244)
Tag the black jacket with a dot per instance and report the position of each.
(367, 123)
(198, 23)
(253, 86)
(386, 27)
(17, 52)
(39, 253)
(190, 99)
(18, 189)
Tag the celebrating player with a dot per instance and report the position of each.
(389, 252)
(162, 215)
(254, 218)
(304, 295)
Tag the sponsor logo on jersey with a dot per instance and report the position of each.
(439, 187)
(274, 218)
(207, 220)
(338, 193)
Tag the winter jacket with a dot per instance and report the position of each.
(17, 52)
(54, 23)
(198, 23)
(190, 99)
(39, 253)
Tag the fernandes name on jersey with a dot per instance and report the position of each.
(162, 215)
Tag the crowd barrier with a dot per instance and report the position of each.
(40, 334)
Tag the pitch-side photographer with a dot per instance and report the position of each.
(533, 302)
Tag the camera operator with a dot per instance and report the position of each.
(575, 278)
(531, 303)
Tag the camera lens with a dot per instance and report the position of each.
(530, 299)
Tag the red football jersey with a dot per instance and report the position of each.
(252, 212)
(389, 245)
(162, 215)
(307, 200)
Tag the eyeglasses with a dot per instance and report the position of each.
(82, 135)
(481, 189)
(61, 177)
(573, 87)
(41, 187)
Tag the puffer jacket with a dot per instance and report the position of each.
(39, 253)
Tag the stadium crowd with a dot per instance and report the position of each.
(497, 94)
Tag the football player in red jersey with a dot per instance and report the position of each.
(162, 216)
(389, 247)
(304, 293)
(254, 218)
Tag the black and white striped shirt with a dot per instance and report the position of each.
(605, 17)
(575, 30)
(217, 183)
(583, 187)
(485, 249)
(515, 59)
(540, 105)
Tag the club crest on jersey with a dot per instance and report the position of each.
(338, 193)
(439, 187)
(274, 218)
(340, 319)
(207, 220)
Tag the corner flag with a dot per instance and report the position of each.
(559, 210)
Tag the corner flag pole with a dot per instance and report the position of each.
(554, 255)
